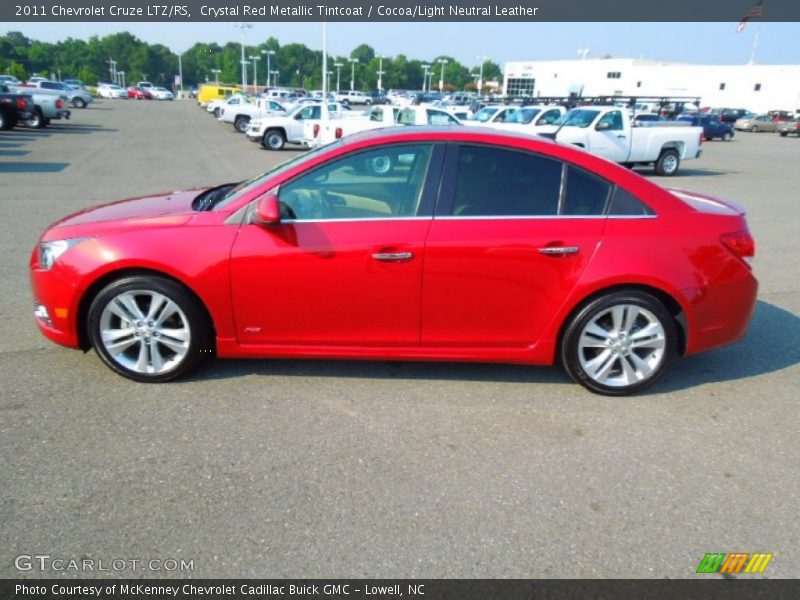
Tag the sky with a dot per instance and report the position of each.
(704, 43)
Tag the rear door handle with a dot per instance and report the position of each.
(393, 256)
(559, 250)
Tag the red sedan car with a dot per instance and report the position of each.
(139, 94)
(414, 243)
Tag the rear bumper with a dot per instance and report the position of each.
(721, 313)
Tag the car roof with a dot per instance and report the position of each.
(443, 133)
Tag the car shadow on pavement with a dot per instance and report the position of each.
(4, 152)
(685, 173)
(32, 167)
(770, 345)
(80, 129)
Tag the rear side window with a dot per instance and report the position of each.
(499, 182)
(586, 194)
(627, 205)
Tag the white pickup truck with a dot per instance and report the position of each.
(326, 131)
(241, 113)
(275, 131)
(607, 132)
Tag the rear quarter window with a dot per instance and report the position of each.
(625, 204)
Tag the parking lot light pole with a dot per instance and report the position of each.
(338, 66)
(253, 58)
(443, 62)
(483, 59)
(275, 77)
(426, 68)
(268, 54)
(353, 62)
(380, 73)
(216, 73)
(242, 27)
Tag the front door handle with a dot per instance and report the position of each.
(559, 250)
(393, 256)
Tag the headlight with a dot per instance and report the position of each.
(50, 251)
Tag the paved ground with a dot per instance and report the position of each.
(350, 469)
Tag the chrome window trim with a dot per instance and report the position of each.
(351, 220)
(538, 217)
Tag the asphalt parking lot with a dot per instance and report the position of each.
(372, 469)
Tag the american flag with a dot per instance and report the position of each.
(754, 13)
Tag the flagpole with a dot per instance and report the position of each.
(755, 45)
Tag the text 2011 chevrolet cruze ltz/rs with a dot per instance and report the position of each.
(422, 243)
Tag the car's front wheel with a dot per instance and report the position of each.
(727, 136)
(78, 103)
(149, 328)
(619, 343)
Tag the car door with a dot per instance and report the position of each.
(344, 266)
(611, 141)
(507, 244)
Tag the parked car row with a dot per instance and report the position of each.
(144, 90)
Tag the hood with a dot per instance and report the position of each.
(171, 203)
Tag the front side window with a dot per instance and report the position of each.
(550, 117)
(381, 183)
(613, 119)
(437, 117)
(579, 117)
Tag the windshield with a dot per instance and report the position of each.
(246, 187)
(578, 118)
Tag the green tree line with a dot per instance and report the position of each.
(296, 64)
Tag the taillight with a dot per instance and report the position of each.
(59, 103)
(316, 130)
(21, 103)
(338, 133)
(741, 244)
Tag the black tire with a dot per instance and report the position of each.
(37, 121)
(727, 136)
(783, 134)
(190, 315)
(345, 102)
(754, 129)
(5, 122)
(612, 354)
(241, 123)
(668, 163)
(78, 103)
(273, 139)
(368, 102)
(216, 112)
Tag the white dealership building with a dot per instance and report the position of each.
(755, 87)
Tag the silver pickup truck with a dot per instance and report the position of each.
(50, 104)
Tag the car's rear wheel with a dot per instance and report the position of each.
(619, 343)
(273, 140)
(149, 328)
(37, 121)
(241, 124)
(78, 103)
(668, 163)
(783, 133)
(4, 122)
(754, 129)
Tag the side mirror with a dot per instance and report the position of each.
(268, 211)
(602, 126)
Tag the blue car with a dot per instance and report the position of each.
(713, 128)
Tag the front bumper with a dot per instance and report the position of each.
(55, 305)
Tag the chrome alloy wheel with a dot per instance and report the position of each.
(145, 331)
(622, 345)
